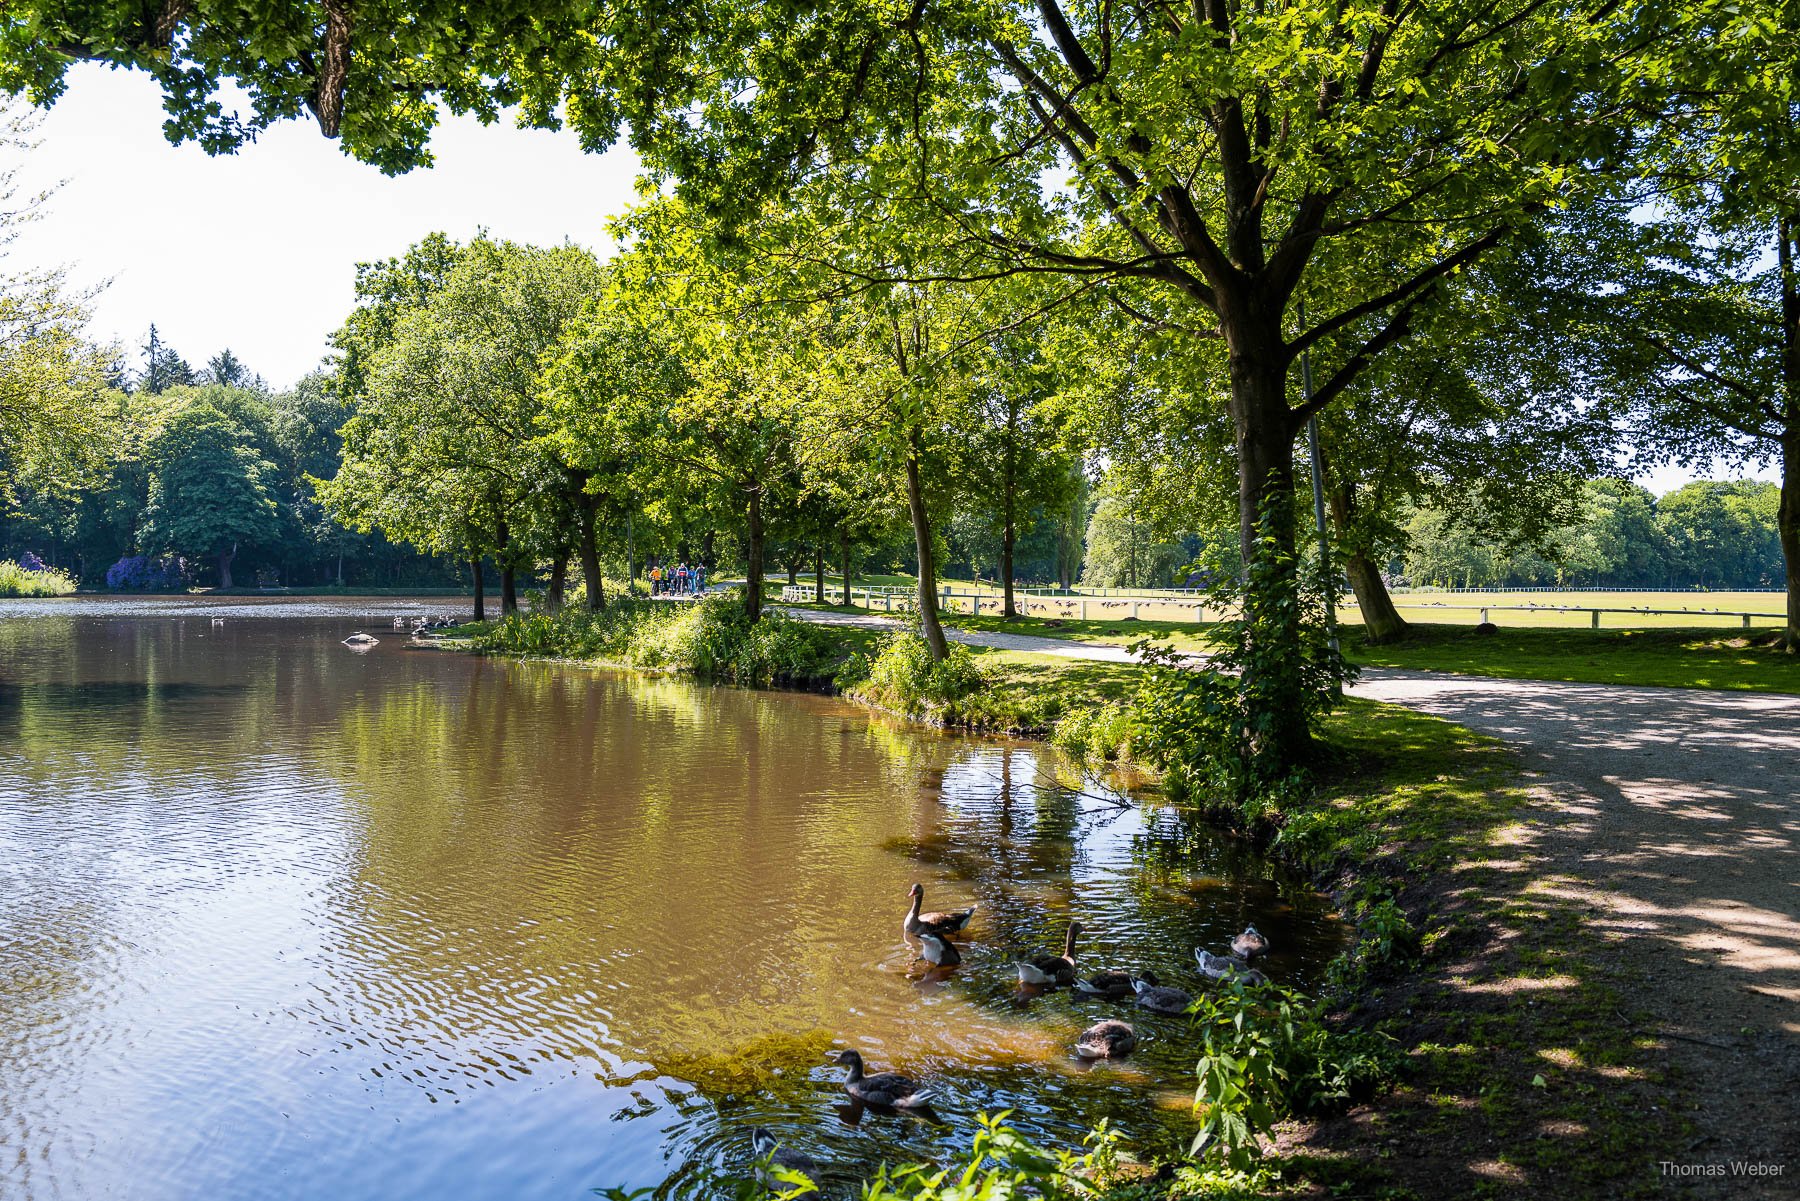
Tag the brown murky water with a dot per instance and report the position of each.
(278, 919)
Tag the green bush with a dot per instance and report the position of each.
(1268, 1053)
(711, 638)
(904, 677)
(1095, 732)
(16, 580)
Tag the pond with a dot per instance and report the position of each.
(280, 919)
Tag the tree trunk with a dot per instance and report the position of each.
(590, 558)
(793, 570)
(225, 558)
(1272, 684)
(1381, 620)
(340, 569)
(559, 576)
(509, 590)
(1006, 558)
(480, 613)
(844, 558)
(921, 524)
(818, 573)
(753, 586)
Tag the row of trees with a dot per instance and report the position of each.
(1708, 534)
(1431, 227)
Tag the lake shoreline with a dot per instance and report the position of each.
(1418, 811)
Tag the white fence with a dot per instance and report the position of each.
(1176, 605)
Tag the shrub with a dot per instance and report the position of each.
(143, 573)
(711, 638)
(904, 677)
(19, 579)
(1269, 1054)
(1100, 732)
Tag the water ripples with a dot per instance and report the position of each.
(279, 920)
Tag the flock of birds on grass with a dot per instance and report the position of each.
(1110, 1038)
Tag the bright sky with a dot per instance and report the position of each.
(257, 251)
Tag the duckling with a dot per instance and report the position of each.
(945, 924)
(1052, 969)
(1111, 1039)
(889, 1089)
(794, 1161)
(939, 951)
(1113, 983)
(1224, 967)
(1153, 996)
(1249, 944)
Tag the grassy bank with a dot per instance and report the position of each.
(16, 580)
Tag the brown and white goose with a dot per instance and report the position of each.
(939, 951)
(944, 924)
(1114, 983)
(889, 1089)
(1052, 969)
(1153, 996)
(1110, 1039)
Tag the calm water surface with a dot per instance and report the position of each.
(282, 920)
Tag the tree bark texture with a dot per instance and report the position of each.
(225, 558)
(559, 577)
(753, 565)
(844, 559)
(509, 589)
(590, 557)
(819, 573)
(1381, 620)
(921, 524)
(480, 613)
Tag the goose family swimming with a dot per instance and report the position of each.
(888, 1089)
(1115, 983)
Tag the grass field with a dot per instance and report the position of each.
(1692, 609)
(1551, 610)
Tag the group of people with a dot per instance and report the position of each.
(677, 581)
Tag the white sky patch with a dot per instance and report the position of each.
(257, 251)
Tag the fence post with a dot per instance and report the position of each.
(1084, 608)
(1746, 621)
(1596, 622)
(1484, 617)
(1134, 606)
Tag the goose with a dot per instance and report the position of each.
(938, 923)
(1223, 967)
(1153, 996)
(794, 1161)
(939, 951)
(1110, 1039)
(399, 622)
(1112, 983)
(889, 1089)
(1052, 969)
(361, 639)
(1249, 944)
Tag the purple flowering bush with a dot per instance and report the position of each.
(142, 573)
